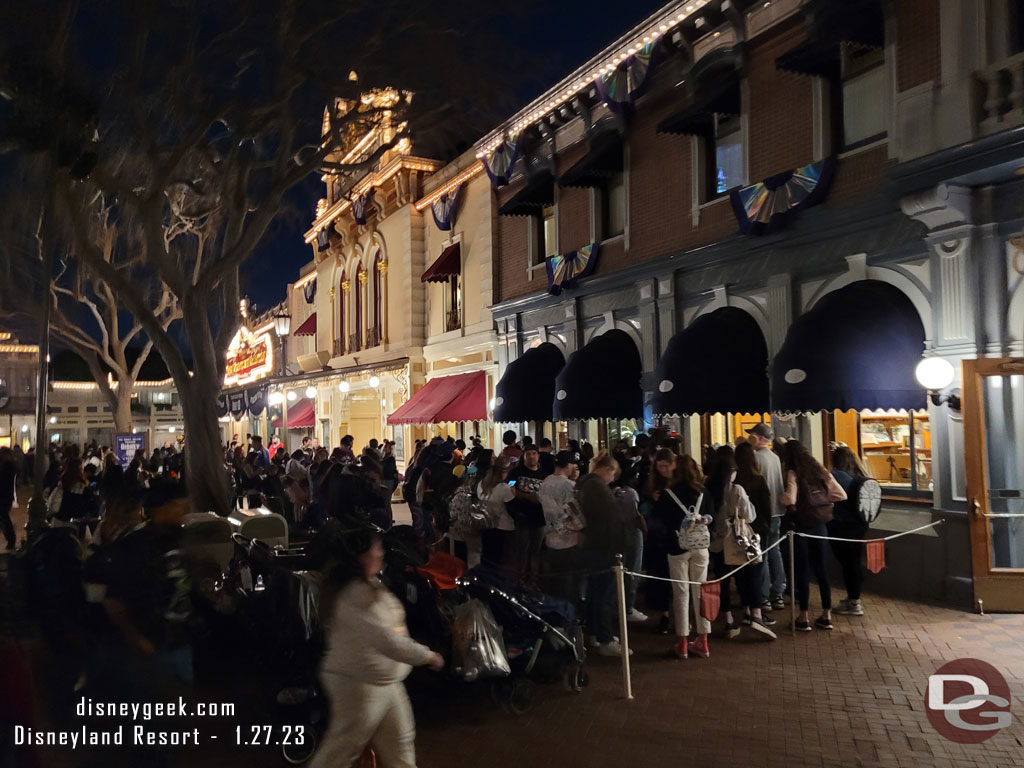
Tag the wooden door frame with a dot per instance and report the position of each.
(1000, 588)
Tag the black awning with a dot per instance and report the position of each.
(713, 87)
(602, 161)
(601, 381)
(527, 390)
(728, 342)
(830, 24)
(538, 192)
(856, 349)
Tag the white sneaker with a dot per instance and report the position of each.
(593, 642)
(732, 631)
(614, 648)
(635, 615)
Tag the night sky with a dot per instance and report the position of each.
(558, 37)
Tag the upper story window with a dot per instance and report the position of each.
(862, 112)
(613, 206)
(453, 303)
(544, 242)
(728, 155)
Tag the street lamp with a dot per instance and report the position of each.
(343, 387)
(374, 382)
(282, 325)
(310, 392)
(936, 374)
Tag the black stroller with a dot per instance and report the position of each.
(543, 641)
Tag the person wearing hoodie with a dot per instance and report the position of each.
(368, 656)
(604, 536)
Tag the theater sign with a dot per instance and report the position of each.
(250, 357)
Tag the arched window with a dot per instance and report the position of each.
(377, 332)
(339, 341)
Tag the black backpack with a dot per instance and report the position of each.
(813, 506)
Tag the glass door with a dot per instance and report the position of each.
(993, 412)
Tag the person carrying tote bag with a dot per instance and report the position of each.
(741, 545)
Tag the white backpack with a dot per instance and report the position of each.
(696, 535)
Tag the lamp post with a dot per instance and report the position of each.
(282, 326)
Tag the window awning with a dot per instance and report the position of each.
(527, 390)
(462, 397)
(830, 24)
(538, 192)
(856, 349)
(602, 161)
(728, 342)
(448, 264)
(302, 415)
(712, 87)
(308, 327)
(601, 381)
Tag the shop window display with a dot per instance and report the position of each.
(896, 447)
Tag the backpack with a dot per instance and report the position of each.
(813, 506)
(740, 544)
(866, 498)
(696, 535)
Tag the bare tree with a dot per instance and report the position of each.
(195, 122)
(86, 316)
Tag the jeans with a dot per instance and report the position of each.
(600, 594)
(364, 713)
(848, 554)
(775, 573)
(632, 560)
(808, 556)
(528, 544)
(692, 565)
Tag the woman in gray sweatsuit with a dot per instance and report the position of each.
(369, 653)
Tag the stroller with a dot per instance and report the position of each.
(543, 641)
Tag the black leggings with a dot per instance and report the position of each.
(849, 554)
(6, 526)
(808, 556)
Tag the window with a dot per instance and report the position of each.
(453, 303)
(377, 331)
(863, 113)
(544, 237)
(613, 207)
(896, 448)
(339, 342)
(723, 163)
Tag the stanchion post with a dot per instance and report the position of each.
(620, 581)
(792, 588)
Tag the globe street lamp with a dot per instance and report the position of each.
(936, 374)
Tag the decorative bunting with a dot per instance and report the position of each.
(502, 160)
(565, 270)
(359, 205)
(323, 240)
(710, 600)
(222, 406)
(309, 291)
(237, 404)
(444, 209)
(256, 400)
(627, 82)
(768, 205)
(876, 555)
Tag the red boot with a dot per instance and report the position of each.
(699, 647)
(681, 648)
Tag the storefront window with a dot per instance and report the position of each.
(896, 447)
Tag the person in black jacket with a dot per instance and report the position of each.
(8, 475)
(603, 538)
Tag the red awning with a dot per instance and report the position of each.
(300, 416)
(450, 398)
(448, 264)
(308, 327)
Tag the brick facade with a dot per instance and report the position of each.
(918, 54)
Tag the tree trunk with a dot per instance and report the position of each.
(122, 409)
(204, 456)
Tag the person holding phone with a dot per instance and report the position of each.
(528, 513)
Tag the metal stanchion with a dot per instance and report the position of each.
(620, 579)
(792, 587)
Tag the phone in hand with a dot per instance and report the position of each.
(511, 483)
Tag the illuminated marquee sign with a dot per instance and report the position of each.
(249, 358)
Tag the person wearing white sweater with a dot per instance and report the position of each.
(369, 654)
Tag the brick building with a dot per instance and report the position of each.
(827, 190)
